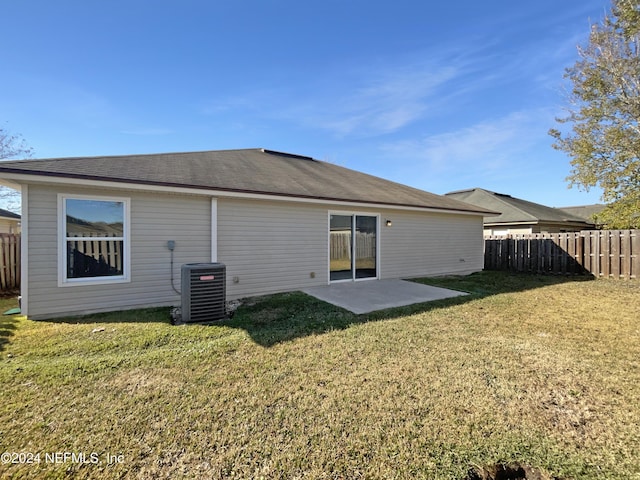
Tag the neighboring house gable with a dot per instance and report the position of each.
(518, 216)
(9, 222)
(97, 230)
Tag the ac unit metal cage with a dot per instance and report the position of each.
(203, 292)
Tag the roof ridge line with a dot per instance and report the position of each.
(286, 154)
(122, 155)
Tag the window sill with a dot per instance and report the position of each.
(79, 282)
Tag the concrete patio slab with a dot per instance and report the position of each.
(369, 296)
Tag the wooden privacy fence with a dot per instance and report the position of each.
(602, 253)
(9, 261)
(88, 256)
(340, 245)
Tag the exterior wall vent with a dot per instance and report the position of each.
(203, 292)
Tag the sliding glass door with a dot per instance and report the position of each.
(365, 246)
(352, 247)
(340, 247)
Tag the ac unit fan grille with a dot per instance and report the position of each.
(203, 292)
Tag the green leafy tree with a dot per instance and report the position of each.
(604, 113)
(12, 146)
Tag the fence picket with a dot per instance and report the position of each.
(614, 254)
(634, 254)
(595, 256)
(3, 270)
(625, 268)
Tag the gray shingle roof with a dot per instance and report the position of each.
(586, 212)
(512, 209)
(7, 214)
(249, 171)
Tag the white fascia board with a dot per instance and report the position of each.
(9, 184)
(78, 182)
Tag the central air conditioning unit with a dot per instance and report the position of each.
(203, 292)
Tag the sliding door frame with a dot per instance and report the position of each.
(353, 215)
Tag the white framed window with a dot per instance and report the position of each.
(93, 240)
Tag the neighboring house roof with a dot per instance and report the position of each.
(255, 171)
(515, 210)
(7, 214)
(586, 212)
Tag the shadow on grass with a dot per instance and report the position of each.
(283, 317)
(278, 318)
(7, 329)
(8, 323)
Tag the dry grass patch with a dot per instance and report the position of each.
(535, 370)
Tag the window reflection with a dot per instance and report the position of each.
(94, 218)
(94, 238)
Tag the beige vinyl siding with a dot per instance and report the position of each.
(272, 246)
(430, 244)
(267, 246)
(534, 228)
(8, 225)
(557, 228)
(155, 218)
(523, 230)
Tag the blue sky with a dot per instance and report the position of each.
(440, 96)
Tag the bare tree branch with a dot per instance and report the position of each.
(12, 146)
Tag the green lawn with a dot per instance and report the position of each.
(539, 370)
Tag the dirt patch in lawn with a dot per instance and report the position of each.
(511, 471)
(140, 382)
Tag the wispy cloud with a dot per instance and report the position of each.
(361, 101)
(384, 105)
(386, 97)
(486, 146)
